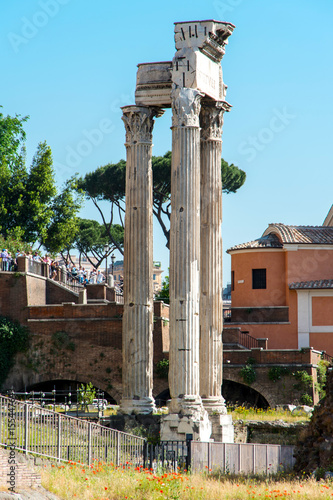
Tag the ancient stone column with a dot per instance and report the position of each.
(137, 369)
(185, 250)
(211, 304)
(186, 413)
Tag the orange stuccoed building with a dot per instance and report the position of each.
(282, 286)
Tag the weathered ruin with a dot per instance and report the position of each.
(192, 85)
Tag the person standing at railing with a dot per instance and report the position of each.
(36, 257)
(4, 259)
(93, 277)
(80, 274)
(54, 271)
(100, 278)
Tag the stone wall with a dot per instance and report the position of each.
(275, 432)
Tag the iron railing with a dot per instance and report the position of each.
(327, 357)
(35, 430)
(171, 455)
(247, 341)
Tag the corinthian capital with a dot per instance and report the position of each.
(211, 120)
(186, 105)
(139, 123)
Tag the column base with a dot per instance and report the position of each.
(222, 428)
(142, 406)
(187, 416)
(214, 405)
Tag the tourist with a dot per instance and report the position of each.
(4, 259)
(100, 278)
(36, 257)
(54, 270)
(93, 277)
(74, 273)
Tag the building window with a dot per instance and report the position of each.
(154, 277)
(258, 278)
(232, 281)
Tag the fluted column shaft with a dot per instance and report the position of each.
(185, 251)
(211, 303)
(137, 370)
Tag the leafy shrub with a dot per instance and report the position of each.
(248, 374)
(61, 340)
(162, 368)
(306, 399)
(277, 372)
(14, 338)
(321, 377)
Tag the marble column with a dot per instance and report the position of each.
(186, 413)
(211, 303)
(185, 250)
(137, 369)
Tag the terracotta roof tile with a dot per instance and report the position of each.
(297, 285)
(321, 235)
(269, 241)
(277, 235)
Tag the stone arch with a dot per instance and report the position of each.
(19, 379)
(162, 398)
(235, 391)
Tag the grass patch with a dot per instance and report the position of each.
(269, 415)
(103, 481)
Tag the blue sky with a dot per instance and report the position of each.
(71, 64)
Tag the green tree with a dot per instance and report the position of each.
(163, 294)
(91, 238)
(63, 225)
(12, 137)
(107, 183)
(31, 208)
(86, 395)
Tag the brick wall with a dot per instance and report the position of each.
(25, 475)
(259, 314)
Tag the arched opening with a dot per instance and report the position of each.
(235, 393)
(61, 391)
(162, 398)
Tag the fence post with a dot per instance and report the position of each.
(89, 443)
(145, 454)
(59, 438)
(26, 428)
(118, 449)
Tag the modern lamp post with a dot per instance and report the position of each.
(113, 258)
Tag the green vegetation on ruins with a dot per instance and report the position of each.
(14, 338)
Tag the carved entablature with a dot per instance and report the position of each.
(211, 120)
(139, 123)
(209, 36)
(186, 104)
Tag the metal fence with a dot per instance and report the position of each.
(33, 429)
(172, 455)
